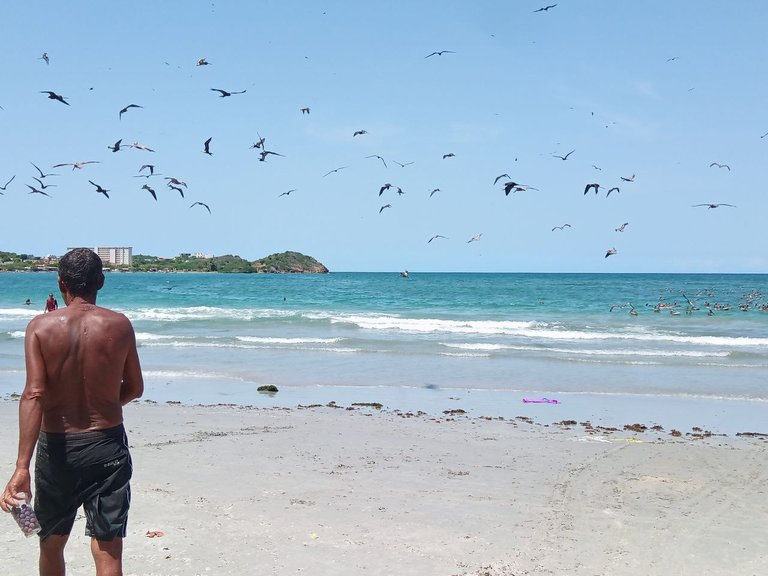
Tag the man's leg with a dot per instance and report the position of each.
(52, 555)
(108, 556)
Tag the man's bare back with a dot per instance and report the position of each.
(83, 358)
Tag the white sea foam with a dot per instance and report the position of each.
(588, 351)
(203, 313)
(17, 334)
(274, 340)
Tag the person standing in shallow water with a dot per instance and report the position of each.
(51, 304)
(82, 368)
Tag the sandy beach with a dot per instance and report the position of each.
(353, 489)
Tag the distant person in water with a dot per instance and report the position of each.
(50, 304)
(27, 302)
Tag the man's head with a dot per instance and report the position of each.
(80, 272)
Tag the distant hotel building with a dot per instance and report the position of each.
(121, 256)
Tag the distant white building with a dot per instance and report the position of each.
(118, 255)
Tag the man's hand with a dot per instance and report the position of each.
(18, 487)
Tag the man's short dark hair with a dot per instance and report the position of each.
(81, 272)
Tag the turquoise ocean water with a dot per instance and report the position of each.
(673, 349)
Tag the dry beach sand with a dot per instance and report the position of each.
(353, 490)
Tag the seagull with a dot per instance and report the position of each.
(139, 147)
(401, 164)
(611, 190)
(45, 57)
(207, 147)
(41, 172)
(563, 157)
(78, 165)
(561, 227)
(259, 143)
(630, 179)
(99, 189)
(34, 190)
(515, 187)
(305, 110)
(334, 170)
(203, 204)
(386, 186)
(264, 153)
(432, 193)
(54, 96)
(596, 167)
(545, 8)
(500, 176)
(720, 166)
(379, 157)
(621, 228)
(673, 58)
(224, 93)
(179, 190)
(148, 189)
(449, 155)
(43, 186)
(440, 53)
(203, 62)
(710, 206)
(116, 146)
(595, 186)
(385, 206)
(610, 252)
(176, 181)
(151, 168)
(764, 135)
(436, 236)
(124, 110)
(287, 193)
(359, 133)
(9, 181)
(475, 238)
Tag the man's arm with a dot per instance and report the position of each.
(133, 382)
(30, 419)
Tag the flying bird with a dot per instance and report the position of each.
(545, 8)
(41, 172)
(386, 186)
(42, 186)
(124, 110)
(207, 147)
(150, 190)
(449, 155)
(621, 228)
(9, 181)
(563, 157)
(287, 193)
(499, 177)
(401, 164)
(630, 179)
(179, 190)
(139, 147)
(203, 204)
(440, 53)
(334, 170)
(99, 189)
(45, 57)
(116, 146)
(515, 187)
(561, 227)
(385, 206)
(611, 190)
(475, 238)
(264, 153)
(203, 62)
(436, 236)
(54, 96)
(359, 133)
(305, 110)
(595, 186)
(610, 252)
(260, 142)
(176, 181)
(34, 190)
(710, 206)
(673, 58)
(224, 93)
(720, 166)
(379, 157)
(151, 168)
(432, 193)
(78, 165)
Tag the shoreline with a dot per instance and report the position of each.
(240, 490)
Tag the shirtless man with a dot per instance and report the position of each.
(82, 368)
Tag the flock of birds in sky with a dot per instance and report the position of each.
(40, 181)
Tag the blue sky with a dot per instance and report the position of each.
(659, 90)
